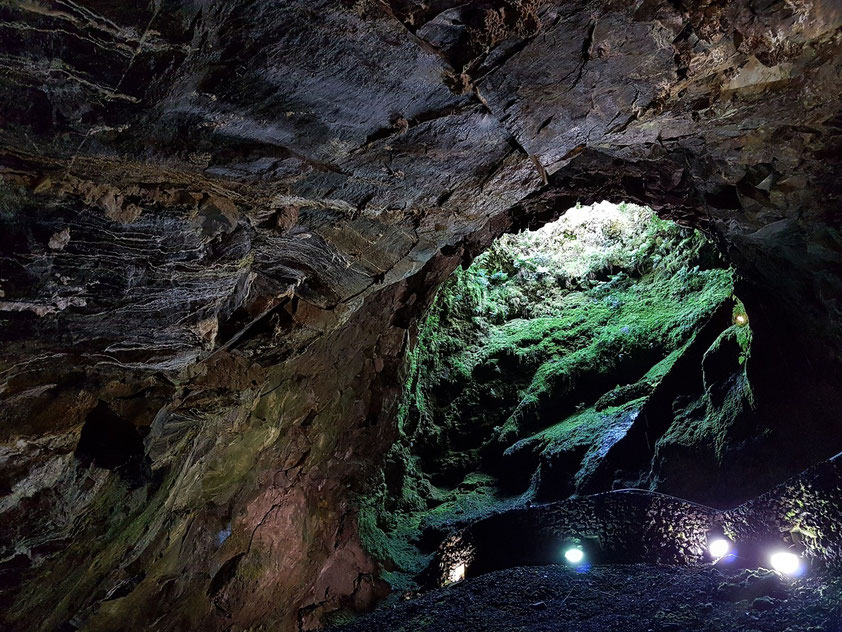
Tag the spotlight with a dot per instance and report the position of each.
(785, 562)
(719, 548)
(456, 574)
(574, 555)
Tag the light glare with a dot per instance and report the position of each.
(457, 573)
(785, 562)
(574, 556)
(719, 548)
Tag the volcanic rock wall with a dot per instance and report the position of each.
(640, 526)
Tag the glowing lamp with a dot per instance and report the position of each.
(456, 574)
(741, 319)
(785, 562)
(574, 555)
(719, 548)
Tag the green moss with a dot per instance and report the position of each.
(659, 371)
(646, 319)
(545, 348)
(584, 428)
(709, 430)
(743, 329)
(391, 543)
(475, 497)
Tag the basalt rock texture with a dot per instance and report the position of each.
(634, 526)
(619, 598)
(219, 221)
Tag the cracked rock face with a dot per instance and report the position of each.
(220, 220)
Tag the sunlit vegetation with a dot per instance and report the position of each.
(539, 355)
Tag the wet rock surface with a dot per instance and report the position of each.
(219, 221)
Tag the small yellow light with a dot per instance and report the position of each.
(457, 574)
(741, 319)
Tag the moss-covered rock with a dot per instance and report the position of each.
(532, 364)
(710, 431)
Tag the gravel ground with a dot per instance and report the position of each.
(617, 598)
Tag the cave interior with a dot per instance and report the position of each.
(409, 315)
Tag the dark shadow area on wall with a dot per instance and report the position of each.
(109, 441)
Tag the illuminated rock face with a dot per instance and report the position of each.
(624, 526)
(220, 222)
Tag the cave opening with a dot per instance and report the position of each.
(604, 350)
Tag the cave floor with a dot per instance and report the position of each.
(619, 598)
